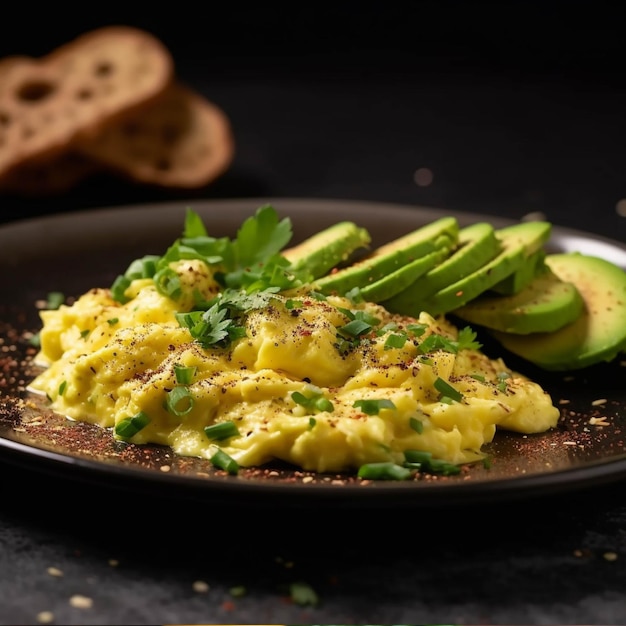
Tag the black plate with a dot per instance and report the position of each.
(75, 251)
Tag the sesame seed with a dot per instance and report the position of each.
(45, 617)
(81, 602)
(200, 586)
(55, 571)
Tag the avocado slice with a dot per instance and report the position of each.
(598, 334)
(328, 248)
(441, 233)
(516, 281)
(518, 242)
(546, 304)
(477, 244)
(395, 282)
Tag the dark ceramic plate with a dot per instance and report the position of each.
(73, 252)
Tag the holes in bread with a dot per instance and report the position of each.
(103, 69)
(35, 90)
(84, 94)
(162, 165)
(28, 132)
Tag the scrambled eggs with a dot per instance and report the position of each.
(326, 384)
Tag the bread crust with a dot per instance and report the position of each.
(48, 105)
(183, 140)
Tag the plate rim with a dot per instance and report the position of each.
(561, 480)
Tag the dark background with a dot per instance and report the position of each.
(516, 108)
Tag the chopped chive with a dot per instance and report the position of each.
(303, 594)
(447, 390)
(179, 401)
(62, 387)
(373, 407)
(384, 471)
(416, 425)
(223, 430)
(315, 402)
(168, 283)
(118, 289)
(312, 422)
(223, 461)
(184, 375)
(84, 333)
(130, 426)
(502, 384)
(55, 299)
(423, 461)
(113, 321)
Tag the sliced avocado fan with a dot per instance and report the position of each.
(518, 243)
(598, 334)
(441, 233)
(477, 244)
(324, 250)
(547, 303)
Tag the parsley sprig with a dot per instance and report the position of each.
(251, 261)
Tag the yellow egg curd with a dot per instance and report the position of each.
(326, 384)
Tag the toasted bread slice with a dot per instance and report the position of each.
(181, 141)
(76, 91)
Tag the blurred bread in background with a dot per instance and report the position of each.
(107, 102)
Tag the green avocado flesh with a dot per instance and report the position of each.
(597, 334)
(395, 255)
(558, 311)
(522, 277)
(395, 282)
(325, 250)
(518, 242)
(477, 244)
(547, 303)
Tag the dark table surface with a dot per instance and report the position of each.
(514, 111)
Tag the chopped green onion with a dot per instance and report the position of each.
(179, 401)
(62, 387)
(384, 471)
(312, 422)
(130, 426)
(303, 594)
(168, 283)
(238, 592)
(315, 402)
(223, 461)
(423, 461)
(223, 430)
(113, 321)
(119, 287)
(184, 375)
(55, 300)
(416, 425)
(84, 333)
(502, 384)
(373, 407)
(447, 390)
